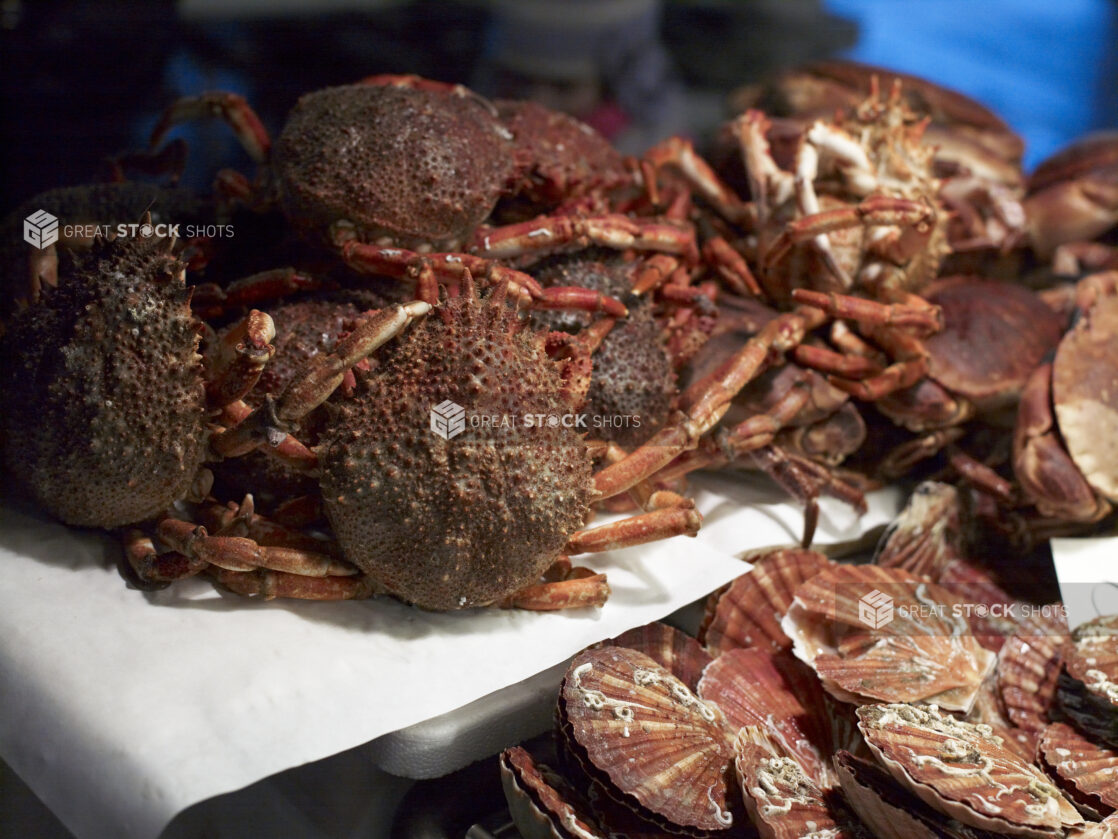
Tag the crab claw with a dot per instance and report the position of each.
(231, 107)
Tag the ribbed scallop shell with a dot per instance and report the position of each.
(783, 802)
(962, 770)
(1090, 768)
(540, 802)
(1088, 686)
(660, 746)
(1028, 667)
(883, 805)
(774, 691)
(919, 652)
(677, 651)
(989, 710)
(1106, 829)
(926, 535)
(748, 612)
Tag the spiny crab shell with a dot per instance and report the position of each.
(103, 393)
(450, 523)
(415, 167)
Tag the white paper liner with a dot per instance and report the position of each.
(1088, 573)
(122, 708)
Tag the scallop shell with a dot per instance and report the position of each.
(756, 688)
(965, 772)
(748, 612)
(1028, 667)
(1106, 829)
(927, 534)
(988, 710)
(662, 748)
(1088, 686)
(883, 634)
(667, 646)
(783, 802)
(1091, 769)
(883, 805)
(540, 802)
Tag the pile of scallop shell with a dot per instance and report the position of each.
(824, 699)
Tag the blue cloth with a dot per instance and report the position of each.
(1049, 69)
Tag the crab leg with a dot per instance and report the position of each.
(829, 361)
(153, 567)
(320, 376)
(914, 311)
(237, 553)
(804, 479)
(230, 107)
(672, 515)
(548, 234)
(707, 400)
(564, 587)
(679, 154)
(269, 585)
(731, 266)
(238, 358)
(211, 301)
(876, 211)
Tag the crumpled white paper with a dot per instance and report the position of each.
(120, 708)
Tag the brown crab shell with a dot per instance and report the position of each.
(540, 802)
(748, 612)
(962, 770)
(998, 333)
(673, 650)
(782, 800)
(927, 534)
(756, 688)
(1085, 395)
(841, 626)
(663, 750)
(1089, 771)
(1088, 684)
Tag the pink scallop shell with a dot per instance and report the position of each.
(660, 747)
(541, 803)
(965, 772)
(774, 691)
(748, 612)
(667, 646)
(783, 802)
(1090, 768)
(926, 535)
(882, 634)
(1028, 669)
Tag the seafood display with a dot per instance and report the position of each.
(494, 328)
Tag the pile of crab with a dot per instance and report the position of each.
(836, 700)
(297, 411)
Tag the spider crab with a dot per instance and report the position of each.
(465, 516)
(401, 174)
(105, 358)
